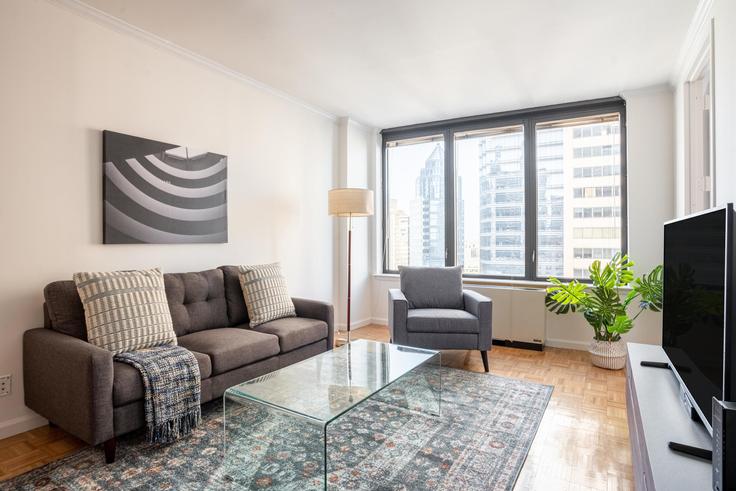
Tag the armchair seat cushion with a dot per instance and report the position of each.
(295, 332)
(127, 383)
(441, 321)
(230, 347)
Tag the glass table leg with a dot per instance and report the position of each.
(261, 443)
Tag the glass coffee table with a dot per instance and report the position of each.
(276, 426)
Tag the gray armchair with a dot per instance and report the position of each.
(431, 310)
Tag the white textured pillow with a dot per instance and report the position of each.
(265, 293)
(125, 310)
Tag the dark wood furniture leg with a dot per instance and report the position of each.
(109, 446)
(52, 425)
(484, 355)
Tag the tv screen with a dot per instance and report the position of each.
(693, 308)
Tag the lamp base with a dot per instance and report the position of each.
(342, 338)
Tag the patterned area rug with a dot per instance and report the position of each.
(479, 442)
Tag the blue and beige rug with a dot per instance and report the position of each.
(480, 442)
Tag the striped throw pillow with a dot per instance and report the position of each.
(265, 293)
(125, 310)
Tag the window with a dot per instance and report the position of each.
(597, 171)
(594, 253)
(415, 229)
(526, 195)
(597, 212)
(490, 195)
(596, 191)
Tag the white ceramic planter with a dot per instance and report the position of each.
(608, 354)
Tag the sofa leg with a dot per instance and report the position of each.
(484, 355)
(110, 446)
(52, 424)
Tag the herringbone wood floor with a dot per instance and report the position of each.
(582, 443)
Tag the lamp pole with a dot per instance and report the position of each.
(350, 253)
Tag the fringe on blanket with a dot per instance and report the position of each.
(172, 430)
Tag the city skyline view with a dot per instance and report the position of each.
(578, 173)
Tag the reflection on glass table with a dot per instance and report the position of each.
(286, 414)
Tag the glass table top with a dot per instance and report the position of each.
(327, 385)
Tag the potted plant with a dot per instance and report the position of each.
(602, 305)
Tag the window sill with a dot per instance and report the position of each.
(534, 285)
(492, 282)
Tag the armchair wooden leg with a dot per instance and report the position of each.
(110, 446)
(484, 355)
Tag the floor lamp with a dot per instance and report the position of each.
(349, 203)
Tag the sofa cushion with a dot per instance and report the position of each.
(237, 312)
(266, 294)
(432, 288)
(196, 300)
(294, 332)
(127, 383)
(65, 310)
(441, 320)
(125, 310)
(231, 347)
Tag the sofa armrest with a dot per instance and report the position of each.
(69, 382)
(314, 309)
(481, 307)
(398, 310)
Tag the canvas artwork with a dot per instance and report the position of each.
(160, 193)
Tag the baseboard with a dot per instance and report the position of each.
(355, 325)
(568, 344)
(379, 321)
(20, 424)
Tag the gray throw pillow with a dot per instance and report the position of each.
(125, 310)
(265, 293)
(432, 288)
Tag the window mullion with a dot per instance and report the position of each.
(450, 207)
(530, 200)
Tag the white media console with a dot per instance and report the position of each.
(657, 416)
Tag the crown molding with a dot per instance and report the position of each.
(694, 43)
(119, 25)
(665, 87)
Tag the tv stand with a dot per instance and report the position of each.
(656, 418)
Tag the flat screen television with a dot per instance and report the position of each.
(697, 323)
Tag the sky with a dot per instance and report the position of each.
(406, 161)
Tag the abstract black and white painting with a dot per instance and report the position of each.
(160, 193)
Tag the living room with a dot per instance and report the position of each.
(437, 198)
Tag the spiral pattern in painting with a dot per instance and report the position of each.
(160, 193)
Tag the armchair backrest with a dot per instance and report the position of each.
(432, 288)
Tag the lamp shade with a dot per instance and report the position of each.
(345, 202)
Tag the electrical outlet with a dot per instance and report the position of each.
(5, 385)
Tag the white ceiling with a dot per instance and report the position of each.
(392, 62)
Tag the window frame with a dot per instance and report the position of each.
(528, 120)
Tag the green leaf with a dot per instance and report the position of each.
(621, 325)
(649, 288)
(563, 298)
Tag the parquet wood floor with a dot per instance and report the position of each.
(582, 443)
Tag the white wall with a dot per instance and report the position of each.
(65, 78)
(723, 15)
(650, 166)
(354, 162)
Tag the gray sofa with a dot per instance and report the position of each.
(79, 387)
(432, 311)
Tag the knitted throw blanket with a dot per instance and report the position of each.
(172, 390)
